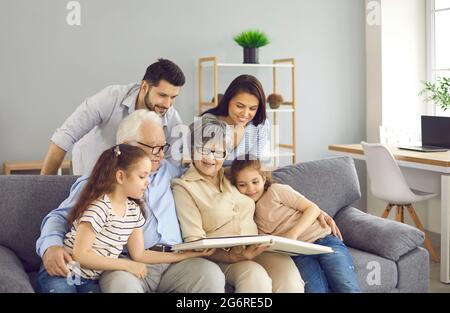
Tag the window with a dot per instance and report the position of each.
(438, 43)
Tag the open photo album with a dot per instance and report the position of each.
(277, 244)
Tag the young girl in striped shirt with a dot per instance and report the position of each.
(108, 215)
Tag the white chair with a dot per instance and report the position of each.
(389, 184)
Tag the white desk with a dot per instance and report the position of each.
(436, 163)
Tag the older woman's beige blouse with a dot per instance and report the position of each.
(204, 210)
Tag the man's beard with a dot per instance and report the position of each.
(147, 102)
(150, 105)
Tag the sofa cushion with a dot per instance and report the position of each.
(414, 271)
(24, 202)
(330, 183)
(370, 233)
(12, 275)
(32, 276)
(375, 273)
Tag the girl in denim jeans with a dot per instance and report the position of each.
(282, 211)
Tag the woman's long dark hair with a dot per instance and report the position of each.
(102, 180)
(243, 83)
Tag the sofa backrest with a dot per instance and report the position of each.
(25, 199)
(24, 202)
(331, 183)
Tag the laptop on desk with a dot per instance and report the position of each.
(435, 135)
(423, 148)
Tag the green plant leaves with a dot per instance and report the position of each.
(251, 39)
(438, 92)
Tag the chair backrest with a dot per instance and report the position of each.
(386, 179)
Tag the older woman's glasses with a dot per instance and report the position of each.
(218, 154)
(156, 149)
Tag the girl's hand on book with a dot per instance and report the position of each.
(137, 269)
(207, 252)
(242, 253)
(194, 254)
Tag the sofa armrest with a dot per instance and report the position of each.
(330, 183)
(377, 235)
(13, 277)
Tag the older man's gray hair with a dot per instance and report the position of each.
(129, 127)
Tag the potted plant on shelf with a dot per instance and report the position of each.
(275, 100)
(438, 92)
(251, 40)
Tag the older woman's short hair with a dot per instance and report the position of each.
(129, 127)
(207, 128)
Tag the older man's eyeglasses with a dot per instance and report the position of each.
(156, 149)
(218, 154)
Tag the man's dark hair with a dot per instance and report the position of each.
(166, 70)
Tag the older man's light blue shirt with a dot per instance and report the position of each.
(161, 225)
(92, 128)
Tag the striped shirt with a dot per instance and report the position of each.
(256, 141)
(112, 231)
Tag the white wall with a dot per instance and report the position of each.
(396, 65)
(48, 67)
(404, 62)
(373, 71)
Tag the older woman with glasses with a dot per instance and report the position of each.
(208, 205)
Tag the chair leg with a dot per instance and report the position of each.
(427, 241)
(387, 210)
(399, 216)
(402, 214)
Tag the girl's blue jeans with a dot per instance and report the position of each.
(328, 272)
(58, 284)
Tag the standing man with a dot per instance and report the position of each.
(92, 128)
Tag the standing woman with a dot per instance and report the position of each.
(243, 109)
(208, 205)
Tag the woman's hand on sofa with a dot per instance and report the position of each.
(55, 261)
(325, 219)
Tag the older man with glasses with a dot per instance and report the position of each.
(161, 230)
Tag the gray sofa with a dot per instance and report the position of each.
(387, 254)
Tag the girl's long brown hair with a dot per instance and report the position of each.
(248, 161)
(102, 180)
